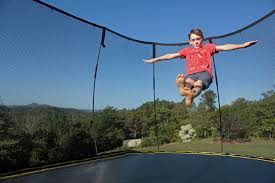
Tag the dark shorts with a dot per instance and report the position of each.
(203, 76)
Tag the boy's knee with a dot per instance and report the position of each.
(197, 90)
(188, 85)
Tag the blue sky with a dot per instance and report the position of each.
(49, 58)
(167, 21)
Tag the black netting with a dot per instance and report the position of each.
(246, 80)
(46, 59)
(123, 81)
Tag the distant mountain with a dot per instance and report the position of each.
(36, 105)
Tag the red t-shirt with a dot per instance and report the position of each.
(198, 60)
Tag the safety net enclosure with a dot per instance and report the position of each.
(71, 89)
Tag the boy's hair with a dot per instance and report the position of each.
(195, 31)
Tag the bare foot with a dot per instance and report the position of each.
(180, 80)
(188, 97)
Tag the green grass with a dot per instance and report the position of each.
(257, 147)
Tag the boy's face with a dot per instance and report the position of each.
(195, 40)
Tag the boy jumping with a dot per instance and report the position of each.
(198, 64)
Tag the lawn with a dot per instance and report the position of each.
(257, 147)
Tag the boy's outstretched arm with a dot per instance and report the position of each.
(164, 57)
(228, 47)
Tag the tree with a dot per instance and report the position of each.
(8, 140)
(265, 115)
(109, 129)
(208, 99)
(267, 128)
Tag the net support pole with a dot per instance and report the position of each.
(154, 92)
(94, 86)
(219, 104)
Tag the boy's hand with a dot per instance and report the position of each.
(149, 61)
(249, 43)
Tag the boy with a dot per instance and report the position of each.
(198, 64)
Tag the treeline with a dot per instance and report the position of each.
(36, 135)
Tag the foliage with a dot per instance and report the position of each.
(35, 135)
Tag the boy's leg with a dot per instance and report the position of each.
(185, 89)
(198, 88)
(181, 85)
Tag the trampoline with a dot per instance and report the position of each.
(160, 168)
